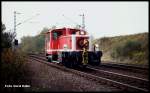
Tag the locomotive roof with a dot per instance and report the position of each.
(61, 29)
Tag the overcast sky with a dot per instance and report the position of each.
(101, 18)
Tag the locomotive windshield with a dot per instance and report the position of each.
(57, 34)
(73, 32)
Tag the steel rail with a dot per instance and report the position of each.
(122, 86)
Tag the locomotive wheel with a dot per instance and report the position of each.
(69, 63)
(74, 62)
(84, 66)
(69, 60)
(97, 63)
(48, 57)
(49, 60)
(66, 62)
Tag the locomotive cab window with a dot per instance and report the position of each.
(55, 35)
(73, 32)
(59, 33)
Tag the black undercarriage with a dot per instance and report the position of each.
(74, 58)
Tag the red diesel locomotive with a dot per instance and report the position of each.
(65, 45)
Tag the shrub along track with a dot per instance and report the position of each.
(123, 82)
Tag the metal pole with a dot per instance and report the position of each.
(15, 33)
(83, 22)
(14, 30)
(15, 21)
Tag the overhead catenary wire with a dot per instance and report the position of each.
(27, 19)
(24, 21)
(70, 20)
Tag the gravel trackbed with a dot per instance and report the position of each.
(46, 78)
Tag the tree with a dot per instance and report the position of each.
(6, 37)
(34, 44)
(3, 27)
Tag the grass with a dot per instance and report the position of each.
(136, 57)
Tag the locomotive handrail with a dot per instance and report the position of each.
(75, 35)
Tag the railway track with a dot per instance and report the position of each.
(120, 77)
(123, 82)
(125, 65)
(114, 66)
(136, 69)
(143, 70)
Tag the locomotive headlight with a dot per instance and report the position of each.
(82, 32)
(96, 47)
(65, 46)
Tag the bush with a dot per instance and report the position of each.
(34, 43)
(127, 50)
(12, 65)
(116, 52)
(12, 62)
